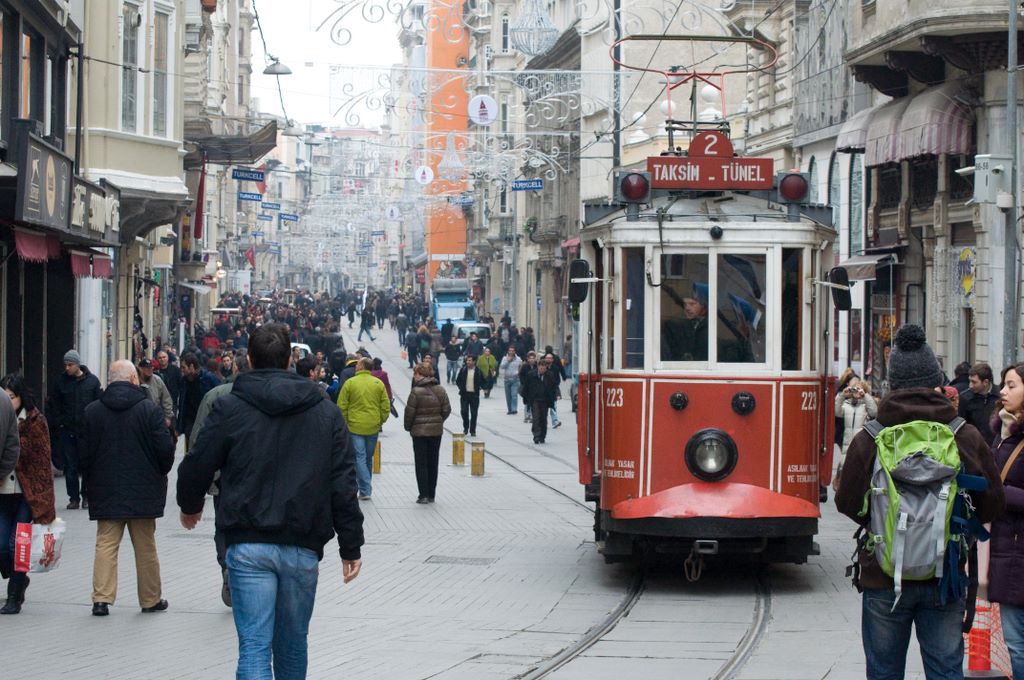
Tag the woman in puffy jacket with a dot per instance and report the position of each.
(1006, 562)
(27, 494)
(425, 412)
(854, 406)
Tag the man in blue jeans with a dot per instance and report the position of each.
(887, 621)
(509, 371)
(364, 403)
(287, 484)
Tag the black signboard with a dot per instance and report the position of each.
(44, 176)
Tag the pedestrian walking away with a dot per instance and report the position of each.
(470, 382)
(288, 483)
(1006, 561)
(26, 487)
(76, 388)
(488, 365)
(509, 370)
(425, 412)
(127, 454)
(892, 607)
(452, 357)
(364, 403)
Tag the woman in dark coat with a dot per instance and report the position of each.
(28, 495)
(1006, 564)
(425, 412)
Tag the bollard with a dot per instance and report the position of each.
(458, 449)
(376, 459)
(979, 641)
(477, 466)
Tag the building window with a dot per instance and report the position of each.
(504, 33)
(503, 201)
(130, 20)
(856, 213)
(241, 91)
(924, 181)
(890, 186)
(241, 43)
(161, 26)
(33, 77)
(504, 115)
(812, 178)
(833, 188)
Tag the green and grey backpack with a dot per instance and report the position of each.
(911, 498)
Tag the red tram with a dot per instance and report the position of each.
(703, 415)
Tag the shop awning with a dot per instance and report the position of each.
(937, 121)
(854, 134)
(231, 149)
(862, 267)
(32, 246)
(417, 260)
(571, 243)
(80, 266)
(197, 287)
(883, 139)
(102, 267)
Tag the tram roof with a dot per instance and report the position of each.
(742, 216)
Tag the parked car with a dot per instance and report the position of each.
(304, 350)
(464, 328)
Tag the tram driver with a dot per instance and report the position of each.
(686, 338)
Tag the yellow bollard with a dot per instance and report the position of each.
(458, 448)
(477, 465)
(376, 459)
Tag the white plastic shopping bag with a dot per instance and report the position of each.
(37, 546)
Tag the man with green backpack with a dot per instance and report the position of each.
(920, 482)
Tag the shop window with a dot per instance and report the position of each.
(855, 219)
(924, 182)
(890, 186)
(684, 307)
(741, 309)
(792, 308)
(130, 67)
(633, 318)
(161, 23)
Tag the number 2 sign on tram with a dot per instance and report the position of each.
(711, 164)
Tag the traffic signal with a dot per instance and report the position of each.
(792, 188)
(632, 187)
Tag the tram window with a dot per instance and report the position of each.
(792, 308)
(741, 309)
(684, 307)
(633, 308)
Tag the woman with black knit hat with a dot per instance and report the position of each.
(887, 619)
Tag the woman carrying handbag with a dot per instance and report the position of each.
(1006, 547)
(26, 496)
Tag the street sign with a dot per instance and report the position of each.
(271, 206)
(265, 218)
(527, 184)
(378, 232)
(257, 233)
(249, 196)
(289, 217)
(460, 199)
(483, 109)
(710, 165)
(247, 174)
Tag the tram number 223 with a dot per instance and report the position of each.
(809, 401)
(613, 397)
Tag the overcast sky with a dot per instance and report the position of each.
(290, 29)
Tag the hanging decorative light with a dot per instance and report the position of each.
(451, 167)
(533, 32)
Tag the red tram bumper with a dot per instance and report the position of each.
(716, 518)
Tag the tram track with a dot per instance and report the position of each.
(729, 669)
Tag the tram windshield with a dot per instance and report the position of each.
(733, 290)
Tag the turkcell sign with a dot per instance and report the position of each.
(684, 172)
(247, 174)
(257, 233)
(265, 218)
(271, 206)
(249, 196)
(378, 232)
(290, 217)
(527, 184)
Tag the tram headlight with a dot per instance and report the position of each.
(711, 455)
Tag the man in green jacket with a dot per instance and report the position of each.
(364, 403)
(488, 366)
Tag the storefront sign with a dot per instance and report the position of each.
(270, 206)
(88, 206)
(527, 184)
(289, 217)
(249, 196)
(44, 178)
(247, 174)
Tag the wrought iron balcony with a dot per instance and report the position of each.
(550, 229)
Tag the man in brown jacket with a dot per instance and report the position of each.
(914, 375)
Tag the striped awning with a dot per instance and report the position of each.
(853, 135)
(883, 144)
(937, 121)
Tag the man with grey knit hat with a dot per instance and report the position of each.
(915, 378)
(76, 389)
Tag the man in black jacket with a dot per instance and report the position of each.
(978, 401)
(128, 451)
(469, 381)
(287, 484)
(76, 389)
(540, 391)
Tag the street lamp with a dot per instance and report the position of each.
(276, 68)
